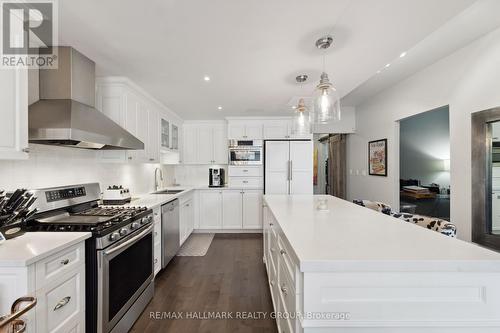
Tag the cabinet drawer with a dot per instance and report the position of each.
(274, 250)
(157, 233)
(157, 258)
(61, 304)
(49, 269)
(286, 286)
(246, 171)
(286, 259)
(245, 182)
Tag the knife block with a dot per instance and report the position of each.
(13, 230)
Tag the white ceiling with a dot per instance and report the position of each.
(477, 20)
(252, 50)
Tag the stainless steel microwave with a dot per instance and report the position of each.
(245, 152)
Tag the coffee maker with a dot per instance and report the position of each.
(216, 177)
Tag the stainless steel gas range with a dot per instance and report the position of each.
(118, 256)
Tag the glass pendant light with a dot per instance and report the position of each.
(301, 119)
(325, 97)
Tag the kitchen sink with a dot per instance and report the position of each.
(168, 192)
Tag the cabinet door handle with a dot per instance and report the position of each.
(25, 150)
(272, 283)
(151, 159)
(245, 170)
(156, 234)
(130, 157)
(271, 224)
(282, 251)
(284, 290)
(245, 182)
(291, 170)
(64, 261)
(156, 260)
(62, 303)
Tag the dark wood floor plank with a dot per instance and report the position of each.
(229, 278)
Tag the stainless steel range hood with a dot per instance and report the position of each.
(65, 114)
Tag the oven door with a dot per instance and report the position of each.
(125, 269)
(245, 156)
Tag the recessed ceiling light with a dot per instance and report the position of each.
(294, 107)
(379, 71)
(219, 107)
(206, 78)
(387, 65)
(402, 55)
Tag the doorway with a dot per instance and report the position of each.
(424, 150)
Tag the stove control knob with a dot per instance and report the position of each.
(114, 236)
(123, 232)
(134, 225)
(150, 218)
(144, 220)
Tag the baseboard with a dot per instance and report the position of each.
(227, 231)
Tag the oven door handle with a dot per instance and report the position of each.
(130, 241)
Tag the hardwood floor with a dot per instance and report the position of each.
(230, 278)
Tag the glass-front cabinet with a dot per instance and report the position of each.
(165, 134)
(175, 137)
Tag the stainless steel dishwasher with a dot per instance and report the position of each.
(170, 231)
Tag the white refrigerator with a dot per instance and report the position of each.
(288, 167)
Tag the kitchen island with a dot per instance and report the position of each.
(351, 269)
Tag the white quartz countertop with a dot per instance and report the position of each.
(151, 200)
(34, 246)
(349, 237)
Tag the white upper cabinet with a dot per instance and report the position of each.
(137, 112)
(220, 144)
(276, 129)
(13, 114)
(244, 129)
(190, 149)
(204, 143)
(282, 129)
(165, 134)
(153, 149)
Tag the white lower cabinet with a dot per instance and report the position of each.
(283, 275)
(252, 209)
(230, 209)
(58, 283)
(157, 239)
(186, 221)
(61, 304)
(210, 209)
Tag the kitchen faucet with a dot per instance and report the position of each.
(157, 185)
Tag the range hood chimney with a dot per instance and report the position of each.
(65, 114)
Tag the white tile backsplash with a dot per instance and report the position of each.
(195, 175)
(50, 166)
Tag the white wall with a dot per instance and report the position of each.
(50, 166)
(468, 81)
(424, 145)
